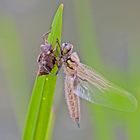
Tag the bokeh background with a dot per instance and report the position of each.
(106, 35)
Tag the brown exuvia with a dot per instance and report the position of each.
(46, 58)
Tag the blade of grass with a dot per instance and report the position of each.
(14, 69)
(88, 41)
(38, 116)
(133, 126)
(50, 126)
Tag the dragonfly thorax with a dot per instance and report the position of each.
(71, 64)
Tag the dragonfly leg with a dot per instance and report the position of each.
(49, 72)
(57, 44)
(45, 35)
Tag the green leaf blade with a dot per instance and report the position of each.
(39, 112)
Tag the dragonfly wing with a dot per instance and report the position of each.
(96, 89)
(82, 90)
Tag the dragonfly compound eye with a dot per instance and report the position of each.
(67, 48)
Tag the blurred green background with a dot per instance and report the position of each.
(105, 34)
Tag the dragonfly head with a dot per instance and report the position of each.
(45, 47)
(67, 49)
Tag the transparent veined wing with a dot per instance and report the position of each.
(96, 89)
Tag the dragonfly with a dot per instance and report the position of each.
(82, 81)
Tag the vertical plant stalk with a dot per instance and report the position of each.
(14, 69)
(39, 113)
(133, 121)
(88, 41)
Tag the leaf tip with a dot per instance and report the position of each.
(61, 6)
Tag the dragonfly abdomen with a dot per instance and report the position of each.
(72, 99)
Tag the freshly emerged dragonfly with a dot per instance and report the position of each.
(84, 82)
(81, 81)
